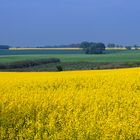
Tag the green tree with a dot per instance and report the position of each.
(128, 47)
(136, 47)
(92, 48)
(4, 47)
(111, 45)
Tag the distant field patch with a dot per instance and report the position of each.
(116, 48)
(16, 49)
(40, 51)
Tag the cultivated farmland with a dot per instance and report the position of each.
(70, 105)
(69, 59)
(7, 56)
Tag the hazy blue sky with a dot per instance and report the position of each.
(50, 22)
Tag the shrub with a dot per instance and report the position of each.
(2, 66)
(59, 68)
(29, 63)
(128, 47)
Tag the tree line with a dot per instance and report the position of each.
(5, 46)
(88, 47)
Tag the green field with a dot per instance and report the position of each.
(69, 60)
(121, 56)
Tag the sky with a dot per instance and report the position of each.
(55, 22)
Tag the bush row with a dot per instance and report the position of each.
(28, 63)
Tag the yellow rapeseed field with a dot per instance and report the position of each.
(76, 105)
